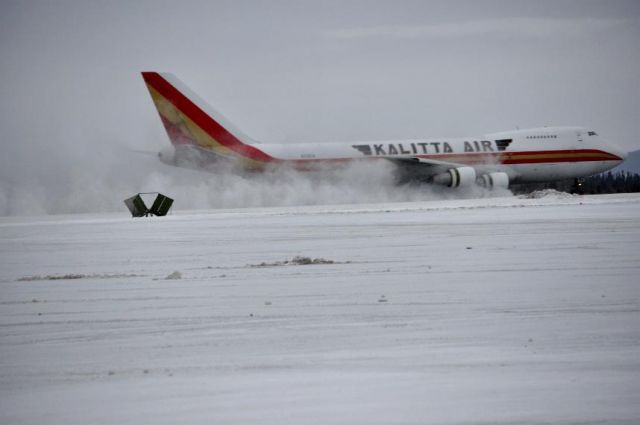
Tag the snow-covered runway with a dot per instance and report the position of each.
(499, 310)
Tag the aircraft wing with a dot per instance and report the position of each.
(420, 169)
(428, 166)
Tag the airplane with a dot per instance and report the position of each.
(203, 137)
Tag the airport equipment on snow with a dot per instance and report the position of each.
(137, 207)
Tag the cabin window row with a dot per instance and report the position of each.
(544, 136)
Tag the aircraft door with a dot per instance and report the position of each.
(579, 134)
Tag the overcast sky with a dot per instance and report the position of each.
(313, 70)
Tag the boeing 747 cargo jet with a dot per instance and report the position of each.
(493, 160)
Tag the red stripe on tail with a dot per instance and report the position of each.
(201, 118)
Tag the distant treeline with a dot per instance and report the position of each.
(620, 182)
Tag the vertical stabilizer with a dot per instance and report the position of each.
(190, 121)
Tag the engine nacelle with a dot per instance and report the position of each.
(456, 177)
(494, 181)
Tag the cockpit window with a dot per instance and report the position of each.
(592, 133)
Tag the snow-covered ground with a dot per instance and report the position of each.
(499, 310)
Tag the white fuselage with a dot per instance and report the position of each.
(531, 155)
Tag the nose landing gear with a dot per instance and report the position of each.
(578, 186)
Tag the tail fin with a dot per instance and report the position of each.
(190, 121)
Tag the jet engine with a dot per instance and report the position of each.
(494, 180)
(456, 177)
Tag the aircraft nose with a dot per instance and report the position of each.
(622, 154)
(617, 151)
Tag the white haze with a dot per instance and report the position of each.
(99, 182)
(73, 104)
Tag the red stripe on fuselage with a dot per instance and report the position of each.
(201, 118)
(526, 157)
(554, 160)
